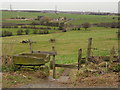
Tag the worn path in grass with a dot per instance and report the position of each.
(51, 83)
(108, 80)
(46, 84)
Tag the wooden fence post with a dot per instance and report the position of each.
(89, 49)
(79, 58)
(30, 44)
(112, 53)
(54, 75)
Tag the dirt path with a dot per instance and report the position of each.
(50, 82)
(108, 80)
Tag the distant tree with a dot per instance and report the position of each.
(65, 18)
(64, 30)
(86, 25)
(114, 24)
(35, 31)
(19, 32)
(26, 31)
(3, 33)
(79, 27)
(45, 20)
(15, 27)
(6, 33)
(46, 32)
(61, 26)
(113, 18)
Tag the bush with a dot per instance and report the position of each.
(35, 31)
(79, 28)
(15, 27)
(64, 30)
(40, 32)
(86, 25)
(43, 32)
(114, 25)
(111, 25)
(6, 33)
(19, 32)
(61, 26)
(117, 68)
(27, 32)
(46, 32)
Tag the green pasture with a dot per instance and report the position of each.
(67, 43)
(76, 18)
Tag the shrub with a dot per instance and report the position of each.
(117, 68)
(46, 32)
(35, 31)
(61, 26)
(40, 32)
(27, 32)
(3, 33)
(48, 28)
(15, 27)
(86, 25)
(64, 30)
(19, 32)
(114, 25)
(78, 28)
(22, 17)
(6, 33)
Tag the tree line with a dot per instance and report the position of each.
(23, 32)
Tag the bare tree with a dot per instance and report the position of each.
(26, 31)
(86, 25)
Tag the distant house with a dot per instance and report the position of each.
(59, 19)
(39, 17)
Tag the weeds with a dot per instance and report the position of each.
(117, 68)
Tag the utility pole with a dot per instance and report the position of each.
(56, 9)
(10, 7)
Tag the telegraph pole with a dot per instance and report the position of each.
(10, 6)
(56, 9)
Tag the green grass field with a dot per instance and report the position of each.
(77, 19)
(67, 44)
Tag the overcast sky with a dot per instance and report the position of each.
(63, 5)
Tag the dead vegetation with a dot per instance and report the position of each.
(104, 80)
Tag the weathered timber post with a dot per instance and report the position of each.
(89, 49)
(53, 49)
(79, 58)
(112, 53)
(30, 44)
(119, 42)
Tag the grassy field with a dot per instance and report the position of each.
(67, 44)
(77, 19)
